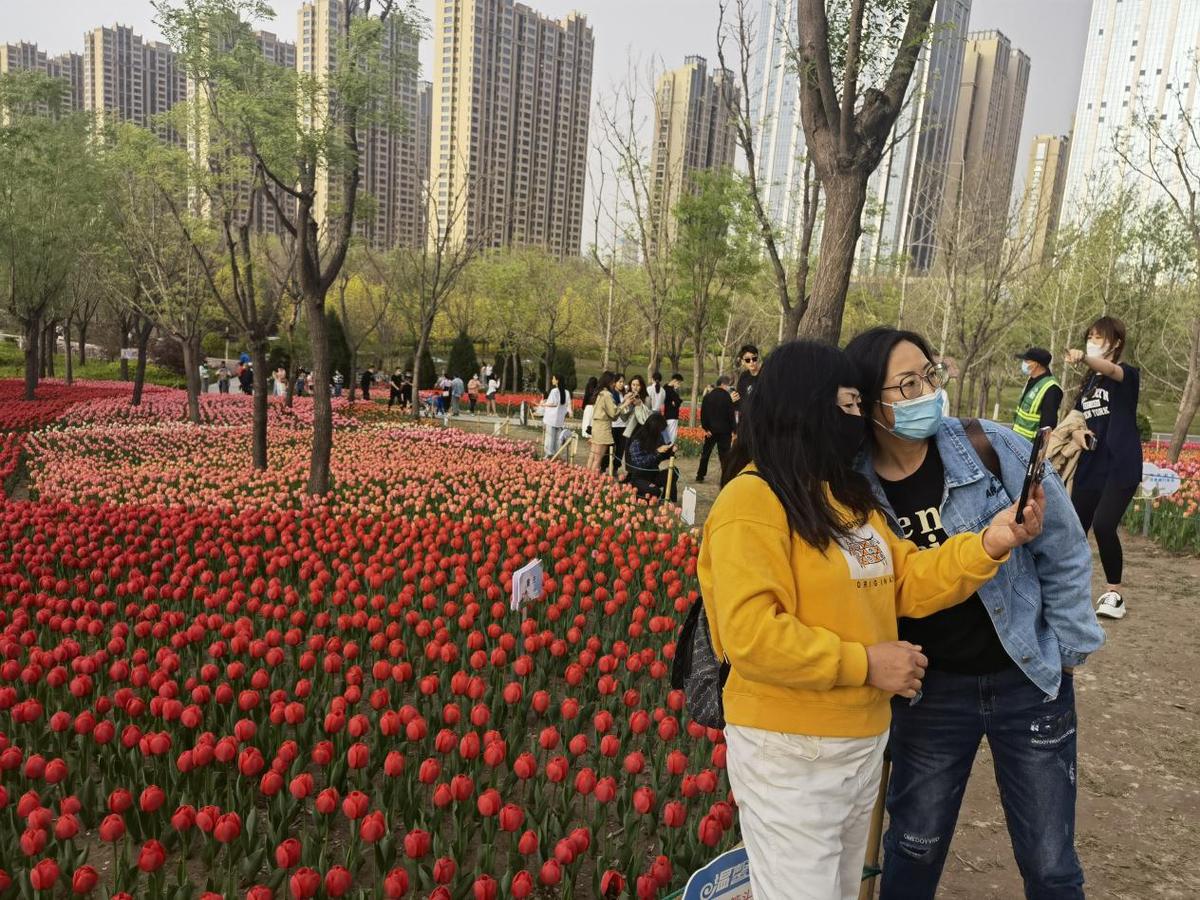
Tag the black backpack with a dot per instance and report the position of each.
(696, 670)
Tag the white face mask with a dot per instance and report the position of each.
(1026, 368)
(1095, 348)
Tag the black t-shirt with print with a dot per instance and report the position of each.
(960, 639)
(1110, 409)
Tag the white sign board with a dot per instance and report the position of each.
(129, 353)
(1158, 482)
(725, 878)
(526, 584)
(687, 510)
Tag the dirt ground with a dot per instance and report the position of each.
(1138, 819)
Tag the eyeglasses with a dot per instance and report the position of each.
(749, 359)
(911, 385)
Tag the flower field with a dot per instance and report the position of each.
(1174, 522)
(212, 686)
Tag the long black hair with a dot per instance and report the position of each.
(869, 352)
(589, 390)
(789, 441)
(649, 435)
(642, 393)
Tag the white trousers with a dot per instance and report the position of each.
(672, 430)
(805, 805)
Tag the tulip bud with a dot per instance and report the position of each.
(84, 880)
(287, 854)
(395, 885)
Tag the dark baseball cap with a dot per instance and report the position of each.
(1038, 355)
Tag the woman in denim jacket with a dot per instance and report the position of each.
(1001, 663)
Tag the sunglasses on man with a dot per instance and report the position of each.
(749, 359)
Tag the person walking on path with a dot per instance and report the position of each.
(223, 378)
(803, 582)
(589, 407)
(204, 378)
(1110, 465)
(719, 422)
(474, 388)
(457, 389)
(493, 385)
(672, 402)
(337, 382)
(1042, 397)
(368, 379)
(1001, 664)
(246, 378)
(654, 393)
(555, 407)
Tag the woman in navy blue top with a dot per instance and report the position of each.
(1110, 466)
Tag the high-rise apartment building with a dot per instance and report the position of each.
(1140, 61)
(24, 56)
(127, 79)
(904, 196)
(424, 128)
(389, 173)
(987, 132)
(693, 131)
(511, 100)
(265, 215)
(1045, 184)
(779, 148)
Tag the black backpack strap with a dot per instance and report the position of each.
(982, 446)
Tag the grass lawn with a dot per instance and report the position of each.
(12, 365)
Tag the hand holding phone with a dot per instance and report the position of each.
(1034, 471)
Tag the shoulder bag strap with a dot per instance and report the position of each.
(982, 446)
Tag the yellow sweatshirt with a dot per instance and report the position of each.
(795, 623)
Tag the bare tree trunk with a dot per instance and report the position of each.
(655, 342)
(67, 345)
(1190, 401)
(33, 338)
(697, 375)
(191, 378)
(83, 329)
(422, 342)
(258, 362)
(322, 446)
(353, 372)
(144, 328)
(845, 196)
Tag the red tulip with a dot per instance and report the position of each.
(43, 876)
(647, 887)
(337, 881)
(677, 762)
(525, 766)
(674, 814)
(512, 817)
(151, 856)
(327, 801)
(527, 845)
(152, 799)
(395, 885)
(489, 803)
(417, 843)
(393, 764)
(260, 892)
(564, 852)
(643, 800)
(227, 828)
(183, 818)
(84, 880)
(443, 870)
(373, 827)
(606, 789)
(304, 883)
(66, 827)
(355, 805)
(33, 841)
(710, 831)
(112, 829)
(521, 885)
(612, 883)
(119, 801)
(287, 854)
(485, 888)
(660, 871)
(356, 756)
(429, 772)
(551, 873)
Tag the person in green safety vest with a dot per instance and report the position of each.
(1042, 395)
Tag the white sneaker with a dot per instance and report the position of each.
(1111, 605)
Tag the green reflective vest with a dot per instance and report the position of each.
(1029, 410)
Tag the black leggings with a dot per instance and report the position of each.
(1101, 511)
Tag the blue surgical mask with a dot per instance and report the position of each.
(1026, 368)
(919, 418)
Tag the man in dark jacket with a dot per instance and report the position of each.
(749, 360)
(246, 378)
(718, 420)
(368, 379)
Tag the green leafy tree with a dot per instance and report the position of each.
(302, 132)
(715, 254)
(48, 207)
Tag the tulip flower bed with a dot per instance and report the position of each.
(1174, 522)
(54, 398)
(166, 405)
(209, 683)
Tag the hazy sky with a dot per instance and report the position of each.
(1052, 32)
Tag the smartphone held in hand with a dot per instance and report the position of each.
(1035, 470)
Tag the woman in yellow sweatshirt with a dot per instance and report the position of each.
(803, 582)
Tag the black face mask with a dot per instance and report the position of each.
(849, 434)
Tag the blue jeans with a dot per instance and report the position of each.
(933, 745)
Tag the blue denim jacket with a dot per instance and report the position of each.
(1041, 599)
